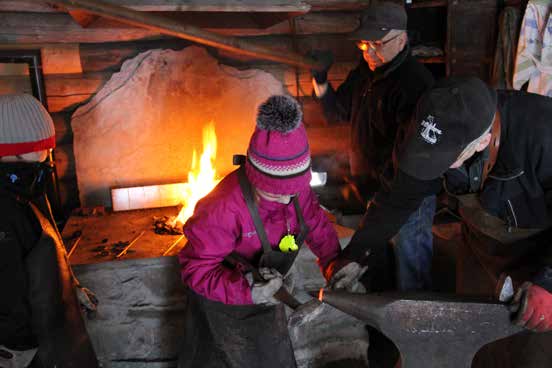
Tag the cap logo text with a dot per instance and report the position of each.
(430, 132)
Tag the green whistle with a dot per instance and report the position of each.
(287, 244)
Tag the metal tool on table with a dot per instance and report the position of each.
(125, 249)
(174, 244)
(430, 330)
(77, 236)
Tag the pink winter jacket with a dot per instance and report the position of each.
(221, 224)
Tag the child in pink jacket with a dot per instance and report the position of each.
(277, 173)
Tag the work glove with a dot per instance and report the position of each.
(262, 292)
(343, 274)
(10, 358)
(87, 300)
(532, 308)
(325, 58)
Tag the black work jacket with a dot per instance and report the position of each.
(376, 104)
(518, 189)
(38, 306)
(19, 232)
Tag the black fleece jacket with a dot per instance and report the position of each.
(376, 104)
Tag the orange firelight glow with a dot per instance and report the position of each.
(321, 294)
(202, 176)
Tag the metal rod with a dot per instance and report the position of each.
(173, 245)
(123, 252)
(174, 28)
(75, 243)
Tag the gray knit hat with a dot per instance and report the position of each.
(25, 126)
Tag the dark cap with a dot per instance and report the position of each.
(448, 117)
(378, 20)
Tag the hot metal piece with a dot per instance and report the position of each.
(124, 251)
(171, 247)
(430, 330)
(75, 243)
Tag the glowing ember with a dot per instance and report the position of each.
(321, 294)
(202, 176)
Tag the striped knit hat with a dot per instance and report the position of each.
(278, 157)
(25, 126)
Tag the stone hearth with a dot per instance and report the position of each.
(139, 322)
(142, 126)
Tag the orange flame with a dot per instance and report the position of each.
(202, 179)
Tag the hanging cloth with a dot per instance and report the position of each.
(505, 54)
(534, 51)
(220, 335)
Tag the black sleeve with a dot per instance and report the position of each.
(337, 105)
(388, 212)
(541, 244)
(419, 81)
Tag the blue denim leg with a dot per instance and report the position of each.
(414, 248)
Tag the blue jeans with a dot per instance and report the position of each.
(413, 247)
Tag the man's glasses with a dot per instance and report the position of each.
(374, 45)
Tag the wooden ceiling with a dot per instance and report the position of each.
(38, 22)
(200, 5)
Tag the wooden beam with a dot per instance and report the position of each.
(82, 18)
(39, 28)
(291, 6)
(173, 28)
(66, 91)
(333, 5)
(61, 59)
(27, 6)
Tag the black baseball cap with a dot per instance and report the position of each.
(448, 117)
(378, 20)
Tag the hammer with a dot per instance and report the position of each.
(430, 330)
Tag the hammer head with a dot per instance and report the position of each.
(430, 330)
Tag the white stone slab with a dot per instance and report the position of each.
(142, 127)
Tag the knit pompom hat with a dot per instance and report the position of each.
(25, 126)
(278, 157)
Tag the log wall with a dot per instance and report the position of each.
(99, 60)
(91, 54)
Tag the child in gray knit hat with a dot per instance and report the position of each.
(40, 315)
(27, 131)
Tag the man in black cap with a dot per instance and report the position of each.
(378, 97)
(492, 151)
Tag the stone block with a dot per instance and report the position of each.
(143, 125)
(140, 318)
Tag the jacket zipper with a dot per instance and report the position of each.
(513, 213)
(508, 177)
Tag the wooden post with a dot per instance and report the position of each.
(176, 29)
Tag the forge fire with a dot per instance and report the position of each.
(298, 184)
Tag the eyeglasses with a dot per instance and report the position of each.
(365, 45)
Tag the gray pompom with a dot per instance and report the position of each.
(280, 113)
